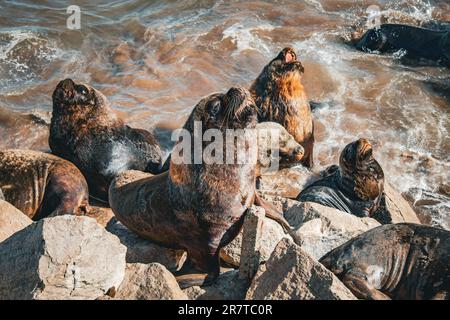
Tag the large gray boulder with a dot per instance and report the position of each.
(394, 208)
(65, 257)
(287, 183)
(291, 274)
(271, 233)
(11, 220)
(140, 250)
(149, 282)
(319, 229)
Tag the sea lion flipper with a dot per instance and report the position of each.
(360, 288)
(272, 212)
(196, 279)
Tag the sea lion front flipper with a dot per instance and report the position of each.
(361, 289)
(194, 279)
(272, 212)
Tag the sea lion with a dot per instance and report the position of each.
(196, 207)
(417, 42)
(40, 184)
(398, 261)
(85, 131)
(356, 186)
(280, 97)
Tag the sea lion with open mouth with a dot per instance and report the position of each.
(40, 184)
(280, 97)
(417, 42)
(196, 207)
(85, 131)
(397, 261)
(356, 186)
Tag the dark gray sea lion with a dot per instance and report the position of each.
(417, 42)
(40, 184)
(196, 207)
(398, 261)
(356, 186)
(280, 97)
(85, 131)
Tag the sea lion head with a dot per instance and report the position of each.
(358, 164)
(234, 109)
(356, 156)
(69, 96)
(284, 65)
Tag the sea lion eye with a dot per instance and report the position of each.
(82, 90)
(214, 107)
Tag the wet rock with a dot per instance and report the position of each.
(228, 286)
(432, 208)
(394, 208)
(271, 234)
(65, 257)
(319, 229)
(140, 250)
(149, 282)
(12, 220)
(287, 182)
(291, 274)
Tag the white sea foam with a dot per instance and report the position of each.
(245, 38)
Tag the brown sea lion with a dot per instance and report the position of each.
(280, 97)
(399, 261)
(40, 184)
(85, 131)
(356, 186)
(196, 207)
(417, 43)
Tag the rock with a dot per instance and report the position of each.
(102, 215)
(286, 183)
(251, 242)
(228, 286)
(291, 274)
(319, 229)
(271, 233)
(140, 250)
(149, 282)
(281, 203)
(432, 208)
(65, 257)
(394, 208)
(11, 220)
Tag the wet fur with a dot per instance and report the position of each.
(198, 208)
(419, 43)
(84, 131)
(400, 261)
(356, 186)
(280, 97)
(40, 184)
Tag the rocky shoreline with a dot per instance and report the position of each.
(81, 257)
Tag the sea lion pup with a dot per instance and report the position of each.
(84, 131)
(196, 207)
(280, 97)
(356, 186)
(418, 42)
(398, 261)
(40, 184)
